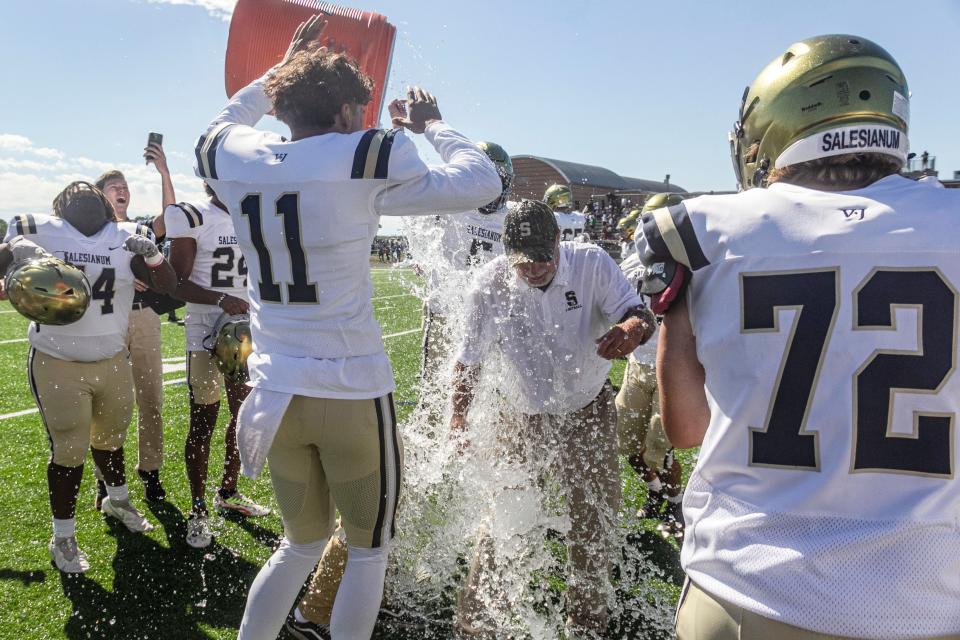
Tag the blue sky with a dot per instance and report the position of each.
(642, 88)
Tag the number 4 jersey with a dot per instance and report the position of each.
(101, 332)
(826, 492)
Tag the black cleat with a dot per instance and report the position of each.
(306, 630)
(152, 487)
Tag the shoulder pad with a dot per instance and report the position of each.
(206, 151)
(669, 233)
(372, 157)
(193, 215)
(24, 224)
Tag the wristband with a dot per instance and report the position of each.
(154, 261)
(220, 300)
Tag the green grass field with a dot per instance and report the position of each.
(154, 586)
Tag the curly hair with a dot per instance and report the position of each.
(74, 192)
(310, 89)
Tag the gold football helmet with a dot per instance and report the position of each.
(558, 196)
(824, 96)
(503, 163)
(232, 345)
(627, 225)
(660, 200)
(48, 291)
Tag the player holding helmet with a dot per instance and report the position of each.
(79, 372)
(813, 355)
(212, 280)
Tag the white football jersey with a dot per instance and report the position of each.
(826, 493)
(571, 224)
(102, 331)
(452, 247)
(219, 264)
(305, 214)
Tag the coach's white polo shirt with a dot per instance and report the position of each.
(547, 339)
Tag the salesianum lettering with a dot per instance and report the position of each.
(861, 138)
(480, 232)
(87, 258)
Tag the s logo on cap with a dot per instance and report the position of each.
(525, 230)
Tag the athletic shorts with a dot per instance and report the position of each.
(338, 454)
(638, 415)
(701, 615)
(198, 326)
(82, 404)
(204, 379)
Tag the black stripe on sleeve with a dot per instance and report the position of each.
(194, 217)
(186, 214)
(655, 241)
(397, 465)
(360, 155)
(382, 508)
(18, 223)
(31, 224)
(688, 236)
(197, 151)
(212, 152)
(383, 160)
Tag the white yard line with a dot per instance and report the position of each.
(399, 295)
(402, 333)
(26, 412)
(13, 341)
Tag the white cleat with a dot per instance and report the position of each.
(67, 555)
(127, 514)
(241, 504)
(199, 535)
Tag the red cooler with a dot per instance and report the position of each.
(260, 33)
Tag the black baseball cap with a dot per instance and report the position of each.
(530, 233)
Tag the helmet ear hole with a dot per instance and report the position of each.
(864, 95)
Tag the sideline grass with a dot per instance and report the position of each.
(154, 586)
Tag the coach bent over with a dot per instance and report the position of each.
(548, 307)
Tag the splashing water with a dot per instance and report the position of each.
(484, 506)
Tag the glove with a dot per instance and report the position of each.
(24, 250)
(141, 246)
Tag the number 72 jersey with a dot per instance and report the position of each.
(219, 265)
(827, 327)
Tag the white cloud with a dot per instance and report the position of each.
(222, 9)
(31, 176)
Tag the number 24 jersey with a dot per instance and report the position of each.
(219, 265)
(826, 491)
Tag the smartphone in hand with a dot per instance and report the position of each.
(154, 138)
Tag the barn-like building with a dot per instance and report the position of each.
(587, 182)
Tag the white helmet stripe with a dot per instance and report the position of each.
(865, 138)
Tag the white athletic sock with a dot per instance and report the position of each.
(276, 587)
(118, 494)
(655, 485)
(361, 590)
(64, 528)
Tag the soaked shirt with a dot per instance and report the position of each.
(547, 338)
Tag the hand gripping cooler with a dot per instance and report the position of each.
(260, 32)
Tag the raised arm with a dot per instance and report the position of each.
(250, 104)
(466, 180)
